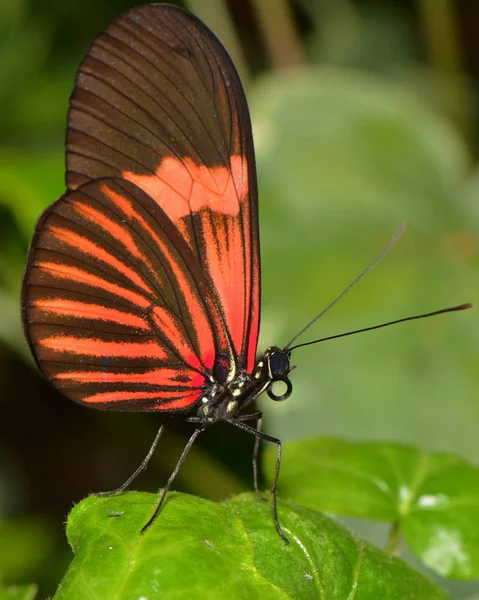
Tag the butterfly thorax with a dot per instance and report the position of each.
(221, 402)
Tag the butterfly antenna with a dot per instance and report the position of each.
(431, 314)
(392, 243)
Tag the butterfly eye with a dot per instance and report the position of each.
(285, 395)
(279, 365)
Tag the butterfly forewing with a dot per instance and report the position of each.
(157, 101)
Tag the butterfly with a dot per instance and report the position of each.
(142, 285)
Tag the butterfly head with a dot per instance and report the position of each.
(278, 366)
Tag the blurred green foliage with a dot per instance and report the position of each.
(369, 132)
(18, 592)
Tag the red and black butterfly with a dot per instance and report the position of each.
(142, 286)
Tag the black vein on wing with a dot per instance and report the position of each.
(174, 67)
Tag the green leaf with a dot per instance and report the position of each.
(432, 497)
(200, 549)
(18, 592)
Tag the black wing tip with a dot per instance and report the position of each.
(464, 306)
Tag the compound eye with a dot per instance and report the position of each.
(285, 395)
(279, 365)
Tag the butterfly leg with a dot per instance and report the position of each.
(259, 421)
(267, 438)
(143, 466)
(171, 478)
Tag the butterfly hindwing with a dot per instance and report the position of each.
(158, 102)
(117, 310)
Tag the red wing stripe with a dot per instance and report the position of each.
(163, 376)
(182, 187)
(115, 230)
(202, 326)
(103, 349)
(119, 233)
(86, 246)
(74, 274)
(183, 402)
(223, 249)
(169, 327)
(82, 310)
(103, 397)
(254, 317)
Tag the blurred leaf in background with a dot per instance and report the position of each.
(374, 126)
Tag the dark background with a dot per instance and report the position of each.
(365, 115)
